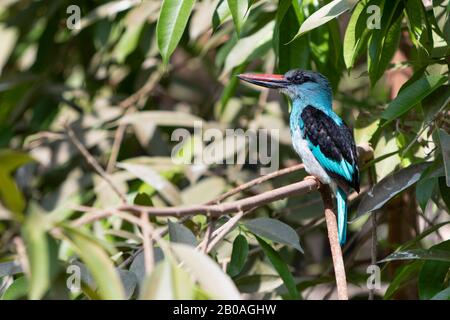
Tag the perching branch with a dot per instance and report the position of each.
(336, 253)
(217, 210)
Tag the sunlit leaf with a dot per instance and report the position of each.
(159, 284)
(221, 14)
(249, 47)
(172, 21)
(9, 37)
(206, 272)
(38, 250)
(9, 192)
(356, 34)
(106, 10)
(154, 179)
(99, 265)
(411, 96)
(238, 9)
(326, 13)
(419, 254)
(17, 290)
(161, 118)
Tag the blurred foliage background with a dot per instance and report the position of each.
(128, 73)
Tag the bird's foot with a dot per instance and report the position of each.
(315, 179)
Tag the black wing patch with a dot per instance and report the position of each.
(335, 141)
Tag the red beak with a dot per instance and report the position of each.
(274, 81)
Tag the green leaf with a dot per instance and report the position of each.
(357, 34)
(159, 285)
(384, 41)
(445, 192)
(145, 173)
(17, 290)
(281, 267)
(419, 28)
(106, 10)
(402, 276)
(10, 193)
(138, 264)
(258, 283)
(386, 52)
(221, 14)
(411, 96)
(274, 230)
(238, 9)
(433, 273)
(180, 234)
(389, 187)
(328, 12)
(38, 251)
(143, 199)
(11, 160)
(206, 272)
(442, 295)
(168, 282)
(249, 47)
(444, 141)
(172, 21)
(128, 42)
(419, 254)
(99, 264)
(294, 54)
(238, 256)
(424, 191)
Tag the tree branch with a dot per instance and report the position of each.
(255, 182)
(336, 253)
(216, 210)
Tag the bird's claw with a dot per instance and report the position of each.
(315, 179)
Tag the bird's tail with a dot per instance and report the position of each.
(341, 197)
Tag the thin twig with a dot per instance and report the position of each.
(149, 259)
(208, 235)
(91, 160)
(255, 182)
(118, 138)
(336, 253)
(222, 231)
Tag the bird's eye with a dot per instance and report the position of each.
(299, 78)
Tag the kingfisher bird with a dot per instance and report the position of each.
(319, 136)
